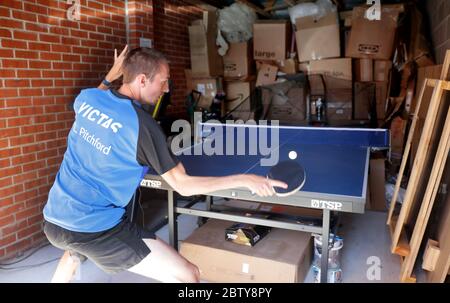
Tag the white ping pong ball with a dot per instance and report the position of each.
(292, 155)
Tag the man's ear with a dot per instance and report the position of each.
(141, 79)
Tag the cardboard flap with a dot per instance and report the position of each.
(313, 22)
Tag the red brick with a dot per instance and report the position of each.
(10, 23)
(4, 182)
(33, 148)
(28, 73)
(25, 35)
(62, 65)
(13, 228)
(49, 38)
(46, 136)
(18, 102)
(23, 159)
(13, 208)
(25, 176)
(39, 46)
(33, 165)
(16, 141)
(45, 118)
(8, 93)
(18, 246)
(24, 16)
(4, 153)
(29, 231)
(24, 92)
(37, 9)
(52, 74)
(41, 83)
(10, 132)
(27, 54)
(17, 83)
(6, 220)
(32, 129)
(6, 113)
(36, 27)
(7, 73)
(50, 56)
(8, 63)
(6, 53)
(29, 193)
(7, 240)
(40, 64)
(35, 219)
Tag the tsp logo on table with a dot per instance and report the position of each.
(326, 204)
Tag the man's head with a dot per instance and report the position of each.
(146, 73)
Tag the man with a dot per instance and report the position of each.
(112, 143)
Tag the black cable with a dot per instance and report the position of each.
(25, 257)
(29, 266)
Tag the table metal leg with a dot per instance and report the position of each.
(173, 226)
(325, 239)
(209, 201)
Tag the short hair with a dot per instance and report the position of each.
(142, 60)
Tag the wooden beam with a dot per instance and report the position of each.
(255, 8)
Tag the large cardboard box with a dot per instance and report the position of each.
(364, 100)
(271, 39)
(208, 87)
(372, 38)
(281, 256)
(337, 77)
(363, 70)
(381, 95)
(381, 70)
(238, 97)
(266, 74)
(205, 60)
(317, 39)
(339, 111)
(238, 61)
(285, 101)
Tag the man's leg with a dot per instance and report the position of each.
(165, 264)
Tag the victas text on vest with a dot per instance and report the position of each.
(96, 115)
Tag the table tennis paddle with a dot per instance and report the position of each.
(290, 172)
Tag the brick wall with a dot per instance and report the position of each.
(45, 60)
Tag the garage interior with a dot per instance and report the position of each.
(334, 64)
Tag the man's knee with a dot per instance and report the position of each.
(191, 274)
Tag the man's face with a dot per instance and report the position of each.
(153, 90)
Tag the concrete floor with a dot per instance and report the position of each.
(366, 240)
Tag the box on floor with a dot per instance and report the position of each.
(281, 256)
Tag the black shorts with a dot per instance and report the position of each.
(113, 250)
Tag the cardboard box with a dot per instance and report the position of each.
(205, 60)
(271, 39)
(238, 61)
(284, 102)
(364, 100)
(317, 39)
(339, 111)
(288, 66)
(377, 187)
(266, 75)
(363, 69)
(381, 95)
(239, 94)
(208, 87)
(382, 70)
(282, 256)
(372, 38)
(337, 77)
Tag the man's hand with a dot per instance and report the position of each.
(262, 186)
(116, 70)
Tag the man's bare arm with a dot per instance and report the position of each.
(116, 70)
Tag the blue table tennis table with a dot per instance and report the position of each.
(336, 162)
